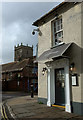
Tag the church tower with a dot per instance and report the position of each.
(22, 52)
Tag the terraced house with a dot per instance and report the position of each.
(60, 48)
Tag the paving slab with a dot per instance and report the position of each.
(26, 107)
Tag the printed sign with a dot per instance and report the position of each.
(74, 80)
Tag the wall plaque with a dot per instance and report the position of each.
(74, 80)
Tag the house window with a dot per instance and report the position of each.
(34, 70)
(57, 31)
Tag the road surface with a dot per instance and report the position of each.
(8, 95)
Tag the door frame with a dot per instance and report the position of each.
(61, 63)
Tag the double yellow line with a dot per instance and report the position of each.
(3, 112)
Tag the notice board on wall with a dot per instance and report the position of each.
(74, 80)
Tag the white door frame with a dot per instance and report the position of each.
(62, 63)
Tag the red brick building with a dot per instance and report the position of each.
(20, 74)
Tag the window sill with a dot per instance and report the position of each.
(57, 45)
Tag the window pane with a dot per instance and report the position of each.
(54, 29)
(58, 33)
(54, 24)
(55, 37)
(57, 25)
(59, 21)
(59, 36)
(61, 26)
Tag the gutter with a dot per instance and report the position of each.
(47, 14)
(42, 19)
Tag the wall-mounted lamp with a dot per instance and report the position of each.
(44, 70)
(72, 66)
(37, 30)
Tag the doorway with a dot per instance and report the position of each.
(59, 87)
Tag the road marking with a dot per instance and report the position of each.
(3, 113)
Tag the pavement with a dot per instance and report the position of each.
(25, 108)
(12, 94)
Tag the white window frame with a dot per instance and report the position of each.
(57, 42)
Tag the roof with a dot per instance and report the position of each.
(47, 14)
(15, 66)
(53, 53)
(54, 10)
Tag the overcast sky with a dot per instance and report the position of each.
(17, 26)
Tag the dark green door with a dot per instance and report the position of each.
(59, 87)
